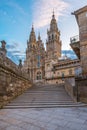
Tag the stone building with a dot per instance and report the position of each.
(81, 17)
(65, 68)
(47, 66)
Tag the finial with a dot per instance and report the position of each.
(20, 63)
(32, 27)
(53, 16)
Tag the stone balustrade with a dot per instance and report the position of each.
(13, 81)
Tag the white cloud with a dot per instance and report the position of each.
(43, 11)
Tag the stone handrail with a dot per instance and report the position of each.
(6, 63)
(13, 81)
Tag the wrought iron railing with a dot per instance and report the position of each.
(74, 39)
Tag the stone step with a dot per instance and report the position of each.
(23, 104)
(44, 106)
(43, 97)
(43, 101)
(61, 101)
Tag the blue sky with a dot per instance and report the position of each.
(17, 16)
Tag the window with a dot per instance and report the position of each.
(38, 61)
(52, 36)
(58, 73)
(38, 57)
(39, 76)
(62, 74)
(70, 72)
(28, 71)
(38, 64)
(54, 72)
(49, 37)
(48, 66)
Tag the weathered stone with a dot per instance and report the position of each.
(12, 81)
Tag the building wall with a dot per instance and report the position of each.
(82, 22)
(81, 84)
(56, 72)
(58, 76)
(13, 81)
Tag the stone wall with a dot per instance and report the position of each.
(77, 88)
(71, 88)
(81, 84)
(81, 16)
(13, 81)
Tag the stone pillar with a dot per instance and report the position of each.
(3, 44)
(3, 48)
(81, 17)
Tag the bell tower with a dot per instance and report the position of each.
(53, 43)
(31, 43)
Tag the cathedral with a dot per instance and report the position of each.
(47, 65)
(37, 56)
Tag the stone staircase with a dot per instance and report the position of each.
(43, 96)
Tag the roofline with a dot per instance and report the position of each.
(79, 11)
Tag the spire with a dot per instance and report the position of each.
(53, 24)
(53, 16)
(32, 35)
(39, 38)
(32, 28)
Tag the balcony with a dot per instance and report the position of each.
(74, 39)
(75, 45)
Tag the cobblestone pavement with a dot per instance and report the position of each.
(74, 118)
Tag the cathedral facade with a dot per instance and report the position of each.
(46, 65)
(37, 56)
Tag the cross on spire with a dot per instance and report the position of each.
(32, 27)
(53, 16)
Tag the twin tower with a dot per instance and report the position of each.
(37, 56)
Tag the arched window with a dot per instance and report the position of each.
(48, 65)
(52, 36)
(39, 75)
(28, 71)
(38, 57)
(38, 64)
(49, 37)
